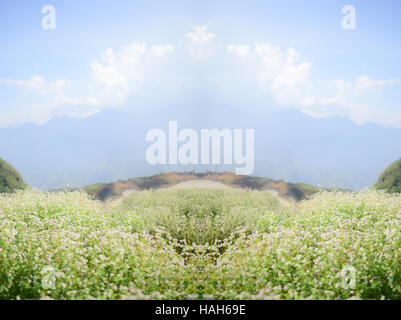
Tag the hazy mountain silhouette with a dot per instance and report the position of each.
(111, 145)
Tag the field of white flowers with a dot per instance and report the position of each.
(200, 244)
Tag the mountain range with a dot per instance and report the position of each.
(110, 146)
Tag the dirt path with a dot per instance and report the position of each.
(200, 184)
(126, 194)
(275, 194)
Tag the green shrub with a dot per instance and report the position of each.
(10, 179)
(390, 179)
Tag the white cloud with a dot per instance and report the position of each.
(272, 59)
(120, 70)
(37, 83)
(342, 103)
(363, 82)
(292, 75)
(284, 72)
(293, 56)
(240, 50)
(160, 50)
(108, 75)
(282, 68)
(288, 77)
(341, 106)
(60, 106)
(54, 102)
(200, 42)
(114, 76)
(118, 73)
(81, 101)
(116, 69)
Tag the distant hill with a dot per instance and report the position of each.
(106, 191)
(390, 179)
(10, 179)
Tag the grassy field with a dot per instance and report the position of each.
(200, 244)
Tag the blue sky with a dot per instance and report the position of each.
(266, 55)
